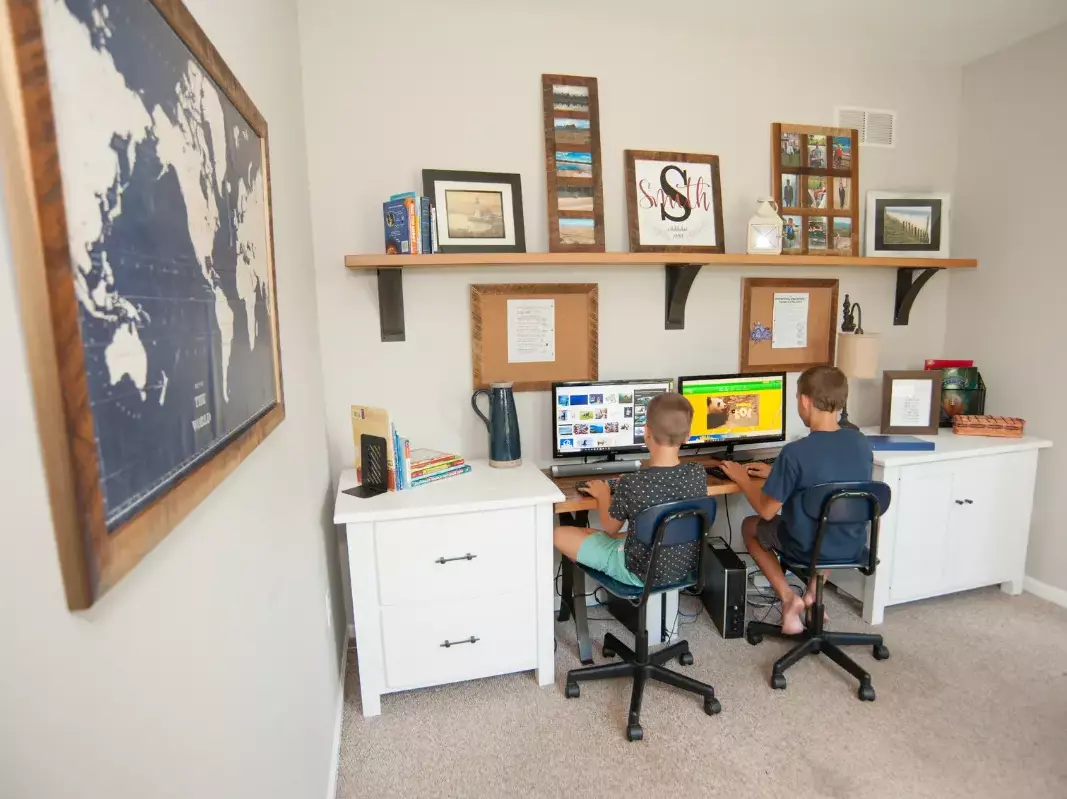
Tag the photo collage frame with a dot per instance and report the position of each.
(814, 178)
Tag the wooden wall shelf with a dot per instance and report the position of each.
(681, 270)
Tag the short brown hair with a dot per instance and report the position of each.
(669, 418)
(827, 387)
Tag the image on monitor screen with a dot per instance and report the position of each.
(735, 409)
(602, 418)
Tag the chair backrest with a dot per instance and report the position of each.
(849, 503)
(672, 525)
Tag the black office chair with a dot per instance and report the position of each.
(675, 533)
(831, 504)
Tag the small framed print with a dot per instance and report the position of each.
(814, 174)
(907, 224)
(817, 233)
(792, 234)
(790, 191)
(476, 211)
(911, 402)
(673, 202)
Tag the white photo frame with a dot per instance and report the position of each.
(908, 224)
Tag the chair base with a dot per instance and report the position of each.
(816, 640)
(642, 666)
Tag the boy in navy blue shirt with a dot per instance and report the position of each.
(829, 454)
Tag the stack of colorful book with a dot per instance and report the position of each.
(405, 467)
(410, 225)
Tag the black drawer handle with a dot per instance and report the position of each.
(468, 556)
(968, 502)
(471, 640)
(959, 501)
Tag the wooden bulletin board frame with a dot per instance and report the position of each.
(757, 311)
(577, 333)
(800, 165)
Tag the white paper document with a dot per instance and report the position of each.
(910, 404)
(531, 331)
(789, 323)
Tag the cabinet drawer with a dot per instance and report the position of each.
(505, 628)
(500, 546)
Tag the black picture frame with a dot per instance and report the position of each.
(935, 224)
(512, 213)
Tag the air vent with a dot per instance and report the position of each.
(877, 127)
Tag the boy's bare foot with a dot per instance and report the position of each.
(792, 615)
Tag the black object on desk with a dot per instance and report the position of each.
(832, 504)
(716, 471)
(585, 483)
(668, 529)
(374, 466)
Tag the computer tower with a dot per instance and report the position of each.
(725, 588)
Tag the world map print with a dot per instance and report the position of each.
(165, 198)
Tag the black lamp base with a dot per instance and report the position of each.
(844, 422)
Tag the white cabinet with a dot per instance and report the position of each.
(451, 581)
(959, 519)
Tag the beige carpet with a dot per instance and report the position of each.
(973, 703)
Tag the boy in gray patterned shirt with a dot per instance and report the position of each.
(663, 479)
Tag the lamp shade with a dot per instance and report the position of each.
(857, 355)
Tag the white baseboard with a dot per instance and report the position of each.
(1056, 596)
(335, 764)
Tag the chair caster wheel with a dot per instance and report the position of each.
(686, 658)
(607, 652)
(572, 691)
(881, 652)
(634, 732)
(712, 706)
(866, 693)
(778, 682)
(754, 638)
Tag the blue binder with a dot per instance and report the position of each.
(901, 443)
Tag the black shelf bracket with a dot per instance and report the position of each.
(391, 303)
(908, 288)
(680, 279)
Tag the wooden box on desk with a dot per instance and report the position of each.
(452, 580)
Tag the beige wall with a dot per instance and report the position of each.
(1011, 211)
(212, 669)
(461, 90)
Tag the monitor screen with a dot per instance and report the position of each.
(600, 418)
(735, 409)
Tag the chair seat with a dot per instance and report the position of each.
(804, 566)
(625, 590)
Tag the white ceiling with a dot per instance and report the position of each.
(942, 31)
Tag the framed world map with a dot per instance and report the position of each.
(150, 312)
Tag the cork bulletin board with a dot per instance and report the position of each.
(805, 314)
(534, 334)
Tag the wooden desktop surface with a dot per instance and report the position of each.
(576, 501)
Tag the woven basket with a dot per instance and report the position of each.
(999, 426)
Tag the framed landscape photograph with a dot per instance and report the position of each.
(814, 176)
(572, 163)
(907, 224)
(146, 273)
(673, 202)
(476, 211)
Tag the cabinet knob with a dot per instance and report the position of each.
(968, 502)
(959, 501)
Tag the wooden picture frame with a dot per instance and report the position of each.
(815, 181)
(503, 188)
(759, 306)
(931, 420)
(573, 166)
(101, 532)
(576, 334)
(665, 203)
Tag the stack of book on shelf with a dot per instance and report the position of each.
(410, 225)
(405, 467)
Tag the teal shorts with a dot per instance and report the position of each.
(605, 554)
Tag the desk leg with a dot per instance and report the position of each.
(576, 519)
(544, 522)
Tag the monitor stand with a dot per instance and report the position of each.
(723, 454)
(611, 465)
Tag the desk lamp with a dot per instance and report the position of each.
(857, 352)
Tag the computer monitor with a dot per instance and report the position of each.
(602, 418)
(735, 409)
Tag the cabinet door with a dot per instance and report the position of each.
(987, 519)
(923, 512)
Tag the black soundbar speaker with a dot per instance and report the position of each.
(725, 586)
